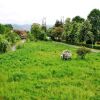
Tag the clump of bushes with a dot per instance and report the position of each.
(3, 44)
(12, 37)
(81, 52)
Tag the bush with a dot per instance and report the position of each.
(96, 47)
(12, 37)
(30, 37)
(3, 46)
(81, 52)
(42, 36)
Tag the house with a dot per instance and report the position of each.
(22, 34)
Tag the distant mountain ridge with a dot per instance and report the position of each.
(25, 27)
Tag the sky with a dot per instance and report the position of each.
(33, 11)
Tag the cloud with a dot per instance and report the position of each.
(29, 11)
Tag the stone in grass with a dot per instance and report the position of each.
(66, 55)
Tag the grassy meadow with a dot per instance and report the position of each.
(36, 72)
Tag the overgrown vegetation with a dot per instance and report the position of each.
(81, 52)
(7, 37)
(36, 71)
(78, 30)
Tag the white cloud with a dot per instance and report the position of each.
(28, 11)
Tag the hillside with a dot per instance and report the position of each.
(36, 72)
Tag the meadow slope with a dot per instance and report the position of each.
(36, 72)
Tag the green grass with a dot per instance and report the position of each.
(36, 72)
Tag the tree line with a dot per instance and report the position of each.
(75, 31)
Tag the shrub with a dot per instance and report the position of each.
(96, 47)
(81, 52)
(42, 36)
(3, 46)
(12, 37)
(30, 37)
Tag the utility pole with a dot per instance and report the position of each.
(62, 19)
(44, 23)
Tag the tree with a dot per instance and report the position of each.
(85, 30)
(75, 31)
(98, 37)
(12, 37)
(50, 33)
(89, 38)
(57, 33)
(36, 30)
(9, 26)
(2, 29)
(44, 28)
(78, 19)
(94, 18)
(3, 44)
(72, 31)
(58, 23)
(67, 29)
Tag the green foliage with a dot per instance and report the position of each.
(30, 37)
(58, 23)
(85, 32)
(44, 28)
(67, 29)
(81, 52)
(78, 19)
(9, 26)
(72, 31)
(12, 37)
(57, 33)
(42, 36)
(3, 46)
(94, 18)
(38, 32)
(2, 29)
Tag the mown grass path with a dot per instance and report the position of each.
(19, 42)
(93, 50)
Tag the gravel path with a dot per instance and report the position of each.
(93, 50)
(20, 42)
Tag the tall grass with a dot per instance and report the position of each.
(36, 72)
